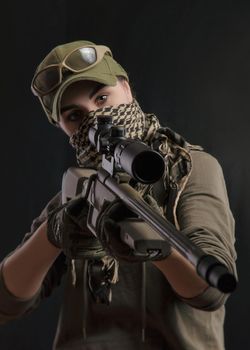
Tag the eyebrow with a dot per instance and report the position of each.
(66, 108)
(98, 87)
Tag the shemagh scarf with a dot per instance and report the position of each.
(137, 126)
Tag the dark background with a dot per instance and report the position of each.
(189, 64)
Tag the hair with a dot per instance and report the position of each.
(121, 79)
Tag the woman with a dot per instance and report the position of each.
(160, 304)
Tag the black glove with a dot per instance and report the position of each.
(67, 229)
(108, 231)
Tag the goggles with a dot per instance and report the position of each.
(76, 61)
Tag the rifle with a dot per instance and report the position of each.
(148, 233)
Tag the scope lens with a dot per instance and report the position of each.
(148, 167)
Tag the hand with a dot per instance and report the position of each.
(67, 229)
(108, 231)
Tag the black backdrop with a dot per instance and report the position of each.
(189, 64)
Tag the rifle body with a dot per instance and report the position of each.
(149, 232)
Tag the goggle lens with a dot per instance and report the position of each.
(47, 79)
(81, 58)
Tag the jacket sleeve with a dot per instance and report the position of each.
(12, 307)
(205, 217)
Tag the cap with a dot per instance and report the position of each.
(104, 72)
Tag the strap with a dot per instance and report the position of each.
(165, 197)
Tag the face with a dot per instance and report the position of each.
(84, 96)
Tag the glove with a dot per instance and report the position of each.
(108, 231)
(67, 229)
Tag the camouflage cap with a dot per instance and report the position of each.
(105, 72)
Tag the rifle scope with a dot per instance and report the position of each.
(130, 155)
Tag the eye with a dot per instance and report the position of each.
(101, 99)
(75, 116)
